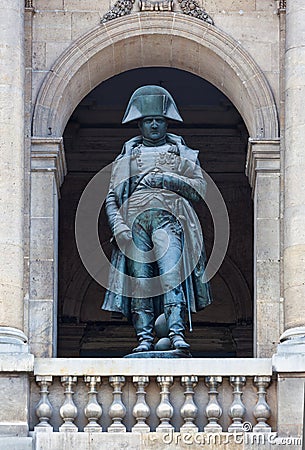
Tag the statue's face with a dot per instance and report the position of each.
(153, 128)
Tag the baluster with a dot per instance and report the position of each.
(117, 410)
(262, 410)
(189, 410)
(141, 409)
(44, 408)
(237, 409)
(93, 409)
(213, 410)
(165, 410)
(68, 411)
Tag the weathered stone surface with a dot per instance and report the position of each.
(16, 443)
(14, 397)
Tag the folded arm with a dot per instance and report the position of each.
(192, 188)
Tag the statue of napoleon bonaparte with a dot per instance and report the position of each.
(161, 179)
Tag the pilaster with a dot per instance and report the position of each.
(48, 169)
(263, 171)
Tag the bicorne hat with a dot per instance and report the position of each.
(151, 101)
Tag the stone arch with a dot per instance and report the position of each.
(155, 39)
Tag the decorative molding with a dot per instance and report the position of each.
(29, 3)
(65, 86)
(119, 9)
(188, 7)
(282, 4)
(192, 8)
(48, 155)
(12, 340)
(263, 156)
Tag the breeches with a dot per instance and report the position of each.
(148, 232)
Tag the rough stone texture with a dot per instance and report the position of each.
(14, 398)
(290, 405)
(160, 441)
(16, 443)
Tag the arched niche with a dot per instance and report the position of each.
(92, 139)
(155, 39)
(163, 40)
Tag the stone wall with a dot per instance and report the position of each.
(253, 23)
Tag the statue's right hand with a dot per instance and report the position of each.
(124, 238)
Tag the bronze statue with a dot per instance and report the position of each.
(150, 195)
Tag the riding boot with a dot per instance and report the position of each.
(175, 318)
(143, 322)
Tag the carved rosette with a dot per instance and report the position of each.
(119, 9)
(192, 8)
(188, 7)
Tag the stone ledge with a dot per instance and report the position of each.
(16, 362)
(164, 441)
(153, 367)
(287, 363)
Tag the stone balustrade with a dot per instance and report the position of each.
(143, 396)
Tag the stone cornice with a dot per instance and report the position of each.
(263, 156)
(48, 155)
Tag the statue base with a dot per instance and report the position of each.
(160, 354)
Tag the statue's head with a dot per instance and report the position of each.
(151, 101)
